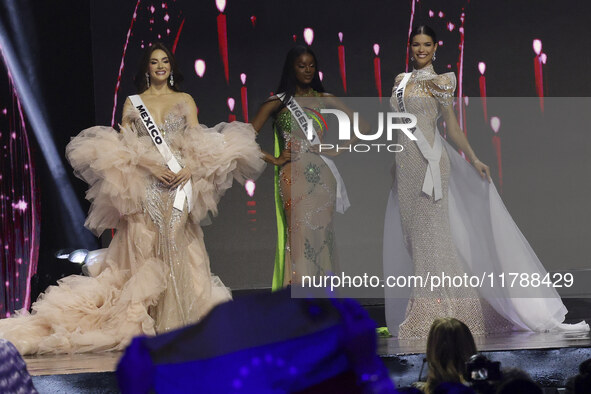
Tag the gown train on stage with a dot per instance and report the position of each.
(155, 276)
(462, 228)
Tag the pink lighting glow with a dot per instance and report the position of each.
(223, 38)
(221, 5)
(309, 35)
(539, 70)
(377, 70)
(495, 123)
(122, 65)
(200, 67)
(376, 49)
(481, 67)
(21, 205)
(342, 65)
(244, 97)
(250, 187)
(543, 58)
(482, 84)
(537, 45)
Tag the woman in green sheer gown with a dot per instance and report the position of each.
(305, 187)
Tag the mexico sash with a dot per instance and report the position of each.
(182, 192)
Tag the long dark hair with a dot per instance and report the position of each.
(423, 29)
(449, 345)
(140, 78)
(288, 81)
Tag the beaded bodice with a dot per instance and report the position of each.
(174, 122)
(291, 133)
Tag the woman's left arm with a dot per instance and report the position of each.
(458, 137)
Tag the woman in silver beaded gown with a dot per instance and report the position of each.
(305, 186)
(445, 217)
(155, 276)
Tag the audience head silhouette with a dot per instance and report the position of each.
(449, 345)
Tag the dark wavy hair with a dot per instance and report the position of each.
(288, 81)
(423, 29)
(140, 78)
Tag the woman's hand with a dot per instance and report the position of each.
(163, 174)
(181, 178)
(482, 169)
(283, 158)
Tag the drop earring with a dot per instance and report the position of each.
(171, 79)
(412, 59)
(434, 57)
(147, 80)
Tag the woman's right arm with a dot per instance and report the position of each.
(265, 112)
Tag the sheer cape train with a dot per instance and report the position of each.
(155, 275)
(488, 242)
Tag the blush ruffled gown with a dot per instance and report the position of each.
(155, 276)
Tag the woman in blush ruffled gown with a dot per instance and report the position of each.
(445, 216)
(155, 276)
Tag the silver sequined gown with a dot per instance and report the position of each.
(155, 276)
(308, 194)
(425, 222)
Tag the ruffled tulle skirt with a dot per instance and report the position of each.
(155, 276)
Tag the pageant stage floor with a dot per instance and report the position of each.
(61, 364)
(550, 358)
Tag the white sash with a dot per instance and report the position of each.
(432, 182)
(182, 192)
(305, 123)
